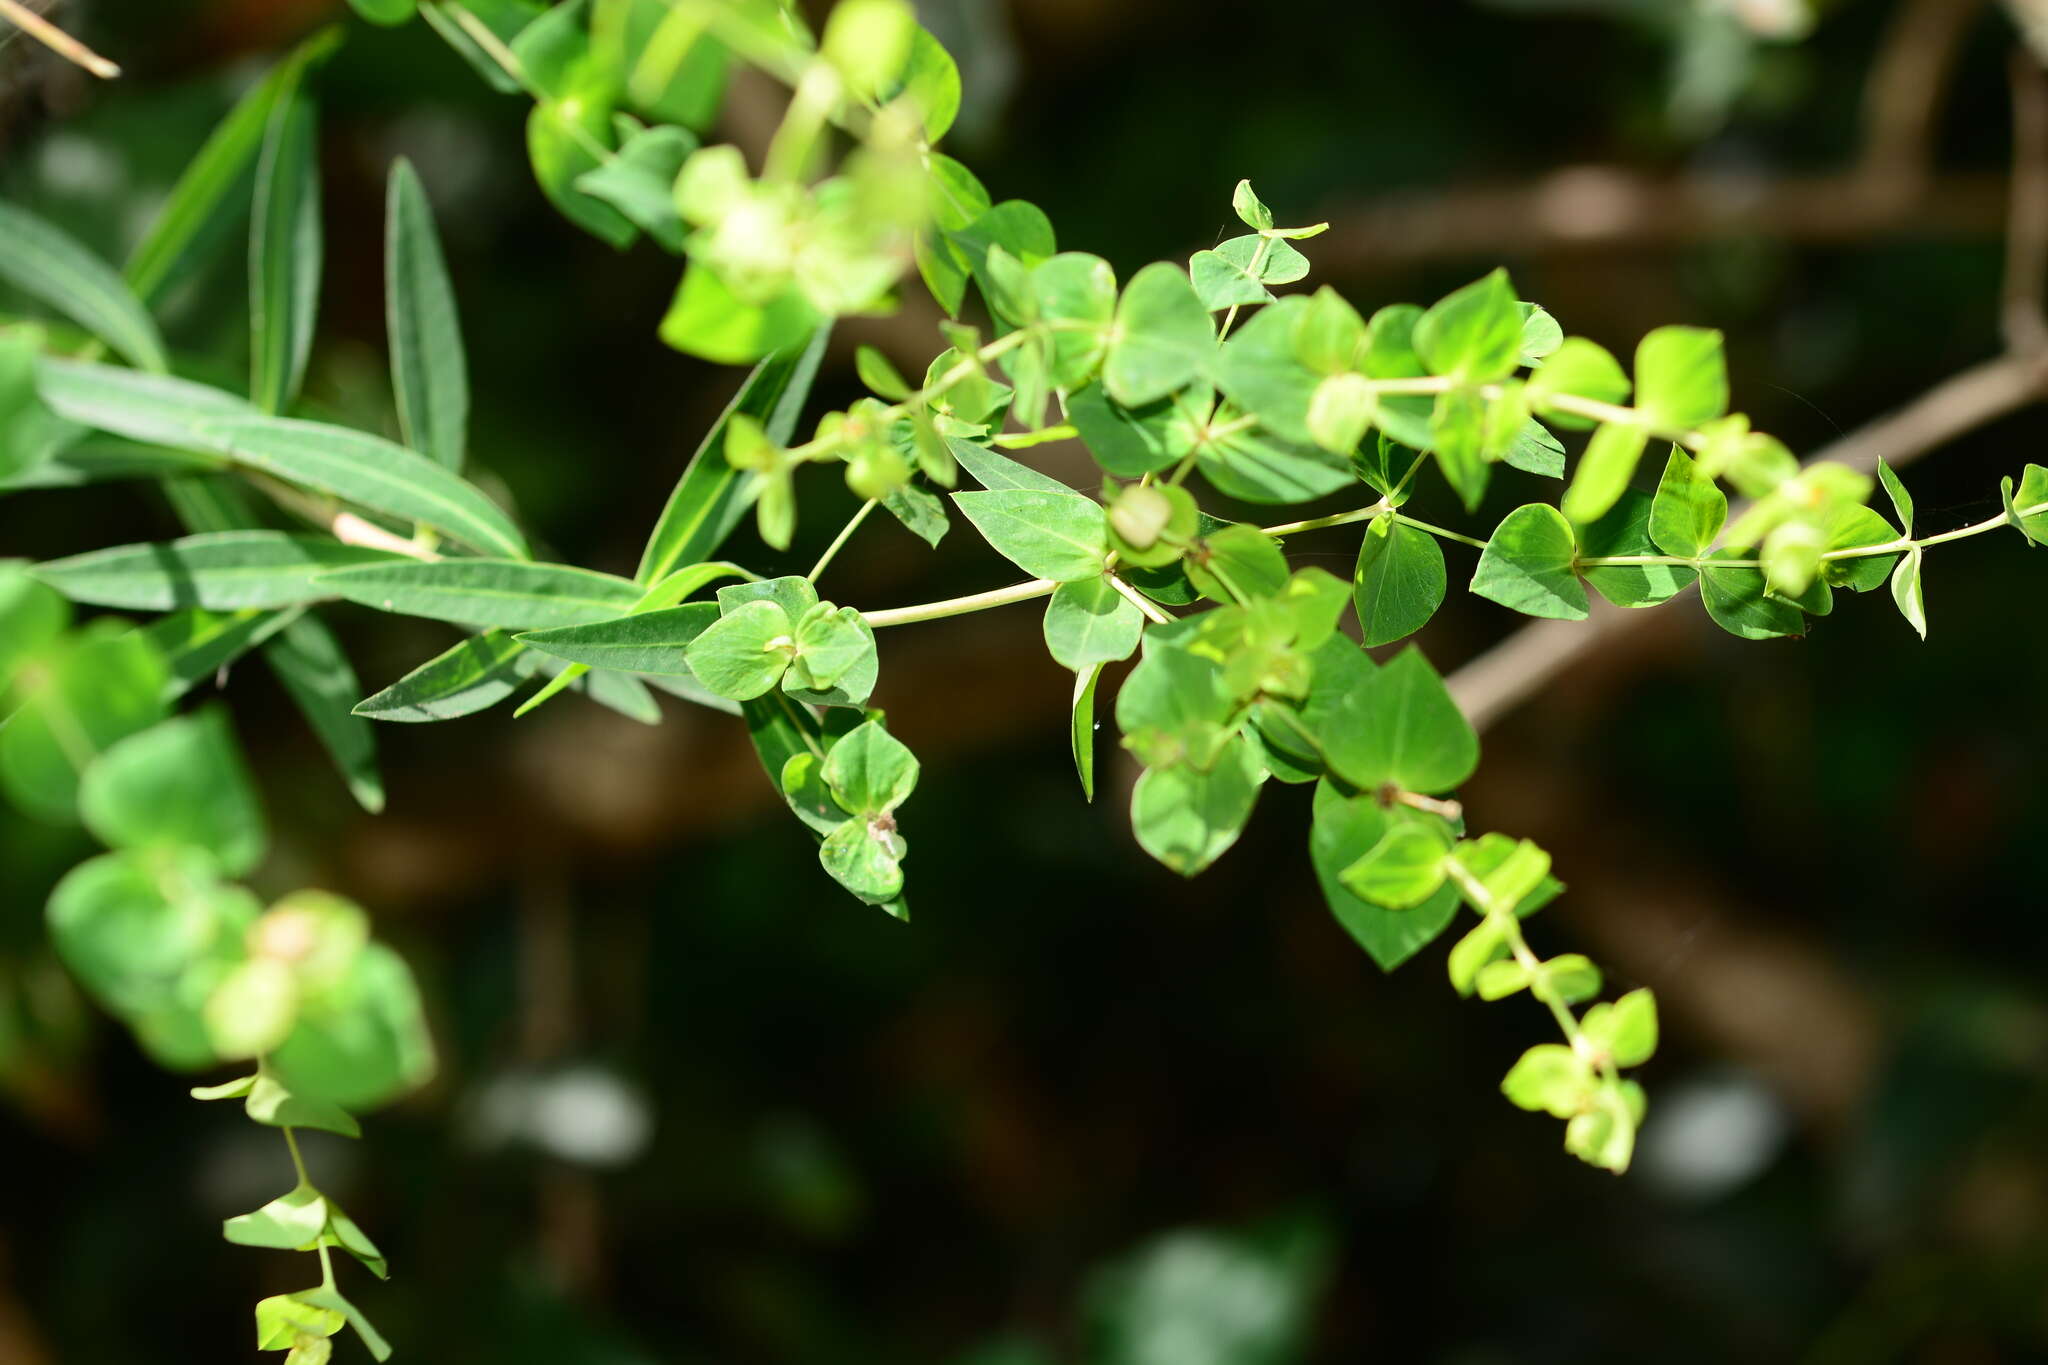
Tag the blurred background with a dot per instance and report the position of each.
(696, 1106)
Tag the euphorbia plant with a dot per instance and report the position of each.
(1185, 377)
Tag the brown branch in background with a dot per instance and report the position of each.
(1889, 188)
(56, 39)
(1902, 95)
(1527, 661)
(2026, 246)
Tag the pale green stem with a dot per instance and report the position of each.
(839, 541)
(960, 606)
(1510, 927)
(1140, 601)
(1259, 254)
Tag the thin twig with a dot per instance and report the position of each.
(57, 40)
(1527, 661)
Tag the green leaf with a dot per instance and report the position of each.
(921, 512)
(154, 409)
(1400, 580)
(429, 375)
(197, 644)
(220, 570)
(213, 190)
(1550, 1077)
(1457, 432)
(1060, 536)
(1081, 727)
(1163, 337)
(475, 673)
(1906, 588)
(712, 497)
(1404, 869)
(53, 268)
(1902, 501)
(32, 616)
(284, 255)
(1254, 468)
(309, 661)
(514, 594)
(1681, 378)
(1344, 830)
(386, 12)
(1625, 1029)
(1529, 564)
(182, 781)
(362, 1040)
(1237, 272)
(1535, 451)
(931, 80)
(1187, 818)
(369, 471)
(1541, 336)
(94, 688)
(1856, 527)
(709, 321)
(2029, 508)
(1474, 334)
(835, 657)
(251, 1009)
(1237, 563)
(1400, 726)
(1737, 601)
(638, 181)
(131, 925)
(1689, 509)
(1258, 368)
(379, 1348)
(645, 642)
(1625, 530)
(1499, 980)
(1604, 470)
(744, 652)
(1133, 442)
(866, 860)
(564, 133)
(869, 771)
(1089, 622)
(1578, 368)
(999, 473)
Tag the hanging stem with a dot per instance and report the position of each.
(839, 541)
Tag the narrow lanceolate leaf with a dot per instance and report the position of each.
(368, 471)
(51, 266)
(712, 496)
(310, 663)
(998, 472)
(197, 644)
(429, 375)
(479, 672)
(284, 256)
(647, 642)
(154, 409)
(221, 571)
(212, 192)
(512, 593)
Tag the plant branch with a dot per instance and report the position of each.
(57, 40)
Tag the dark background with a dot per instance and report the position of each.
(1079, 1110)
